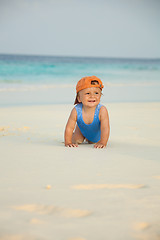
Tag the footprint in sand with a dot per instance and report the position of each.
(141, 225)
(16, 237)
(25, 128)
(77, 238)
(44, 209)
(107, 186)
(3, 129)
(36, 221)
(156, 177)
(147, 231)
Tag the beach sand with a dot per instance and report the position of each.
(51, 192)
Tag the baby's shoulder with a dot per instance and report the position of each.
(103, 112)
(103, 108)
(74, 111)
(73, 114)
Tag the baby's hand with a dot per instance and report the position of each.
(71, 145)
(99, 145)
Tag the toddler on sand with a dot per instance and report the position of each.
(91, 117)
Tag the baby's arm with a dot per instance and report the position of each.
(70, 128)
(105, 128)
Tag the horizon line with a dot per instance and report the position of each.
(72, 56)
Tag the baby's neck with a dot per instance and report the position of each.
(88, 109)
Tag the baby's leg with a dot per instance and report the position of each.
(77, 136)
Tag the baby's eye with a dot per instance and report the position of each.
(87, 93)
(96, 93)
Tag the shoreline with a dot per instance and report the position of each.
(66, 95)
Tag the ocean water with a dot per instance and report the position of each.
(20, 73)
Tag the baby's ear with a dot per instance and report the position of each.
(78, 98)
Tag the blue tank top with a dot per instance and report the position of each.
(90, 131)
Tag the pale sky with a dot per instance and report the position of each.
(100, 28)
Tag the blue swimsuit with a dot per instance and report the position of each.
(90, 131)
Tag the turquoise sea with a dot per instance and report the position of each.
(20, 73)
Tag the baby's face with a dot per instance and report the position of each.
(90, 97)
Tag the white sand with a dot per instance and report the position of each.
(51, 192)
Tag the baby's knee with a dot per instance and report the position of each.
(77, 139)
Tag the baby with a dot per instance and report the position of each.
(91, 117)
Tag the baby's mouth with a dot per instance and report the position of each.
(91, 101)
